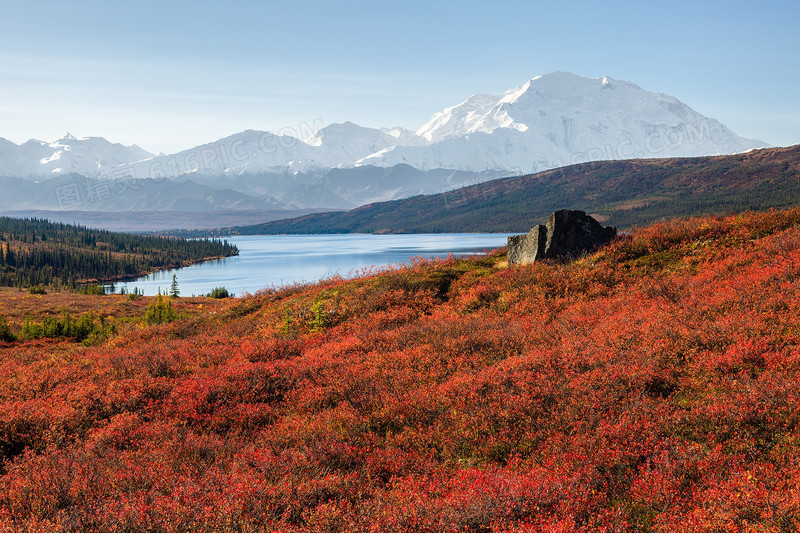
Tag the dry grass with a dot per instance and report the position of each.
(17, 304)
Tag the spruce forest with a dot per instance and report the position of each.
(36, 252)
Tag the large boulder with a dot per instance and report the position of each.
(567, 235)
(526, 248)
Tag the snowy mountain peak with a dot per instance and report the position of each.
(340, 131)
(342, 144)
(88, 156)
(560, 118)
(450, 122)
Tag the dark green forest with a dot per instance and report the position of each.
(35, 252)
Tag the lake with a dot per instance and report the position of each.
(273, 261)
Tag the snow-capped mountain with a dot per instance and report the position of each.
(558, 119)
(547, 122)
(347, 142)
(253, 152)
(88, 156)
(248, 152)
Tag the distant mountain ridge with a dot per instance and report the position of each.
(88, 156)
(547, 122)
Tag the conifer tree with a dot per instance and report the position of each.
(174, 292)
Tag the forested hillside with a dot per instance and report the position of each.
(651, 386)
(618, 193)
(37, 252)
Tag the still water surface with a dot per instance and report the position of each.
(267, 261)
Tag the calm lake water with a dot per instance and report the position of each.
(267, 261)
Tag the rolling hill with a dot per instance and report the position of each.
(620, 193)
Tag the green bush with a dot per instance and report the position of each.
(5, 331)
(84, 328)
(219, 293)
(92, 289)
(160, 311)
(136, 294)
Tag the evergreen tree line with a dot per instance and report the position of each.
(35, 252)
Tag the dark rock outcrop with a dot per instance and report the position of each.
(568, 234)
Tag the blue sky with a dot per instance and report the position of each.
(171, 75)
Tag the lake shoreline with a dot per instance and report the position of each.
(266, 261)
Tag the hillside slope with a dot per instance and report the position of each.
(654, 385)
(619, 193)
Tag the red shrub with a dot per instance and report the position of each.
(654, 385)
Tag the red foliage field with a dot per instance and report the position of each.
(650, 386)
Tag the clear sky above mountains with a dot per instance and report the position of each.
(171, 75)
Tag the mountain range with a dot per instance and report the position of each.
(549, 121)
(88, 156)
